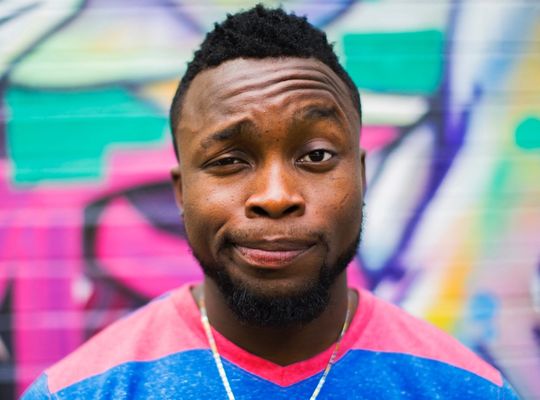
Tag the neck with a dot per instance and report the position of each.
(282, 346)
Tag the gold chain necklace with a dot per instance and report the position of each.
(219, 363)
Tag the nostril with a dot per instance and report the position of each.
(292, 209)
(260, 211)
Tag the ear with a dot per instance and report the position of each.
(363, 168)
(176, 177)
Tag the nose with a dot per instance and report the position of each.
(275, 195)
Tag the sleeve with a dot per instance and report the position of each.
(39, 390)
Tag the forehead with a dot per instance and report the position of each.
(238, 88)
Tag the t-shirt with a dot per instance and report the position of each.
(161, 352)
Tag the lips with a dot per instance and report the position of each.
(272, 254)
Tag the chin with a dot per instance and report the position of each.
(274, 302)
(276, 288)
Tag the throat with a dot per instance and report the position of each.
(286, 347)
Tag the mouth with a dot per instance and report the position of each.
(273, 254)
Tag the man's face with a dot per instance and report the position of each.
(271, 175)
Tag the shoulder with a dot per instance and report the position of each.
(152, 332)
(408, 342)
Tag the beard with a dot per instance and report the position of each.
(305, 304)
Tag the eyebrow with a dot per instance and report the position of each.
(229, 133)
(314, 113)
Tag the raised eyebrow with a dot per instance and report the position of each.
(229, 133)
(317, 112)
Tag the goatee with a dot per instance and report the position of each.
(280, 311)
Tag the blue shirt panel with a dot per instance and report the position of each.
(358, 375)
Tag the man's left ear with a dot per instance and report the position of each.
(363, 166)
(176, 177)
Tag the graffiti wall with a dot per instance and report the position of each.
(88, 226)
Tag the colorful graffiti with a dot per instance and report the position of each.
(88, 226)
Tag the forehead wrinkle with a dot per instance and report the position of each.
(319, 99)
(279, 88)
(283, 77)
(274, 93)
(269, 80)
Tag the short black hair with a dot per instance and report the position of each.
(259, 33)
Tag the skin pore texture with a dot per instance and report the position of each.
(271, 181)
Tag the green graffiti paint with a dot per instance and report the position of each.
(396, 62)
(527, 134)
(63, 135)
(493, 221)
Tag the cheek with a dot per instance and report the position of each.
(341, 206)
(207, 206)
(346, 209)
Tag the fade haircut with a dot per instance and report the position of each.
(259, 33)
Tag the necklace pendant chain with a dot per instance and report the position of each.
(219, 364)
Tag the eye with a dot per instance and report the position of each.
(226, 161)
(316, 156)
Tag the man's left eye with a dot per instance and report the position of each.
(316, 156)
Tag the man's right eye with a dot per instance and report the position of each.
(226, 161)
(227, 164)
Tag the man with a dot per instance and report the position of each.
(270, 181)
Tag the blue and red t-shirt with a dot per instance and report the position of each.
(161, 352)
